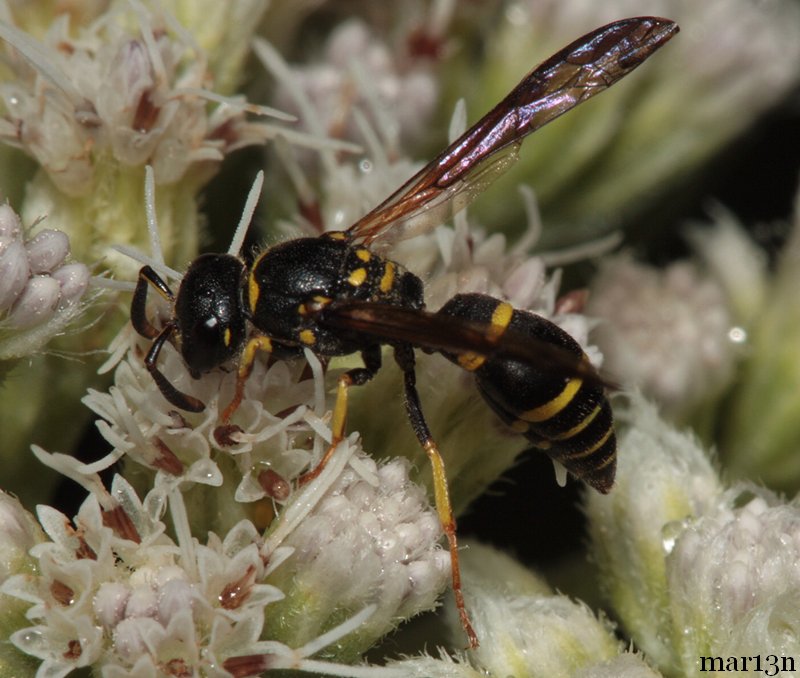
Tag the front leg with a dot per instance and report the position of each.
(147, 277)
(257, 343)
(355, 377)
(181, 400)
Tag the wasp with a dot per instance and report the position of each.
(337, 295)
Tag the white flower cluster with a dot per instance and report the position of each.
(527, 630)
(132, 87)
(276, 431)
(703, 570)
(300, 566)
(358, 70)
(739, 565)
(651, 317)
(371, 539)
(40, 289)
(111, 590)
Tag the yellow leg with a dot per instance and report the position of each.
(338, 422)
(339, 419)
(258, 343)
(358, 376)
(445, 510)
(405, 359)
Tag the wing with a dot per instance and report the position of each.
(449, 334)
(464, 169)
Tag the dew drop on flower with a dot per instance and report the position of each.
(670, 533)
(737, 335)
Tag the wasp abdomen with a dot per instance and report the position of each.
(567, 417)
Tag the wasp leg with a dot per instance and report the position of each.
(172, 394)
(355, 377)
(147, 276)
(404, 355)
(248, 357)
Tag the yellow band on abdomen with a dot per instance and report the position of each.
(550, 409)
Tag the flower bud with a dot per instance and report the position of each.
(74, 280)
(10, 224)
(14, 273)
(36, 304)
(677, 316)
(19, 532)
(110, 603)
(627, 665)
(47, 250)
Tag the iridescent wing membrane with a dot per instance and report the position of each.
(464, 169)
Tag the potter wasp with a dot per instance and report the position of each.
(336, 295)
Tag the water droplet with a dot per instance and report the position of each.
(670, 533)
(737, 335)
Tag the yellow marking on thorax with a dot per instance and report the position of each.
(336, 235)
(580, 426)
(363, 254)
(308, 337)
(357, 277)
(550, 409)
(226, 336)
(387, 279)
(253, 290)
